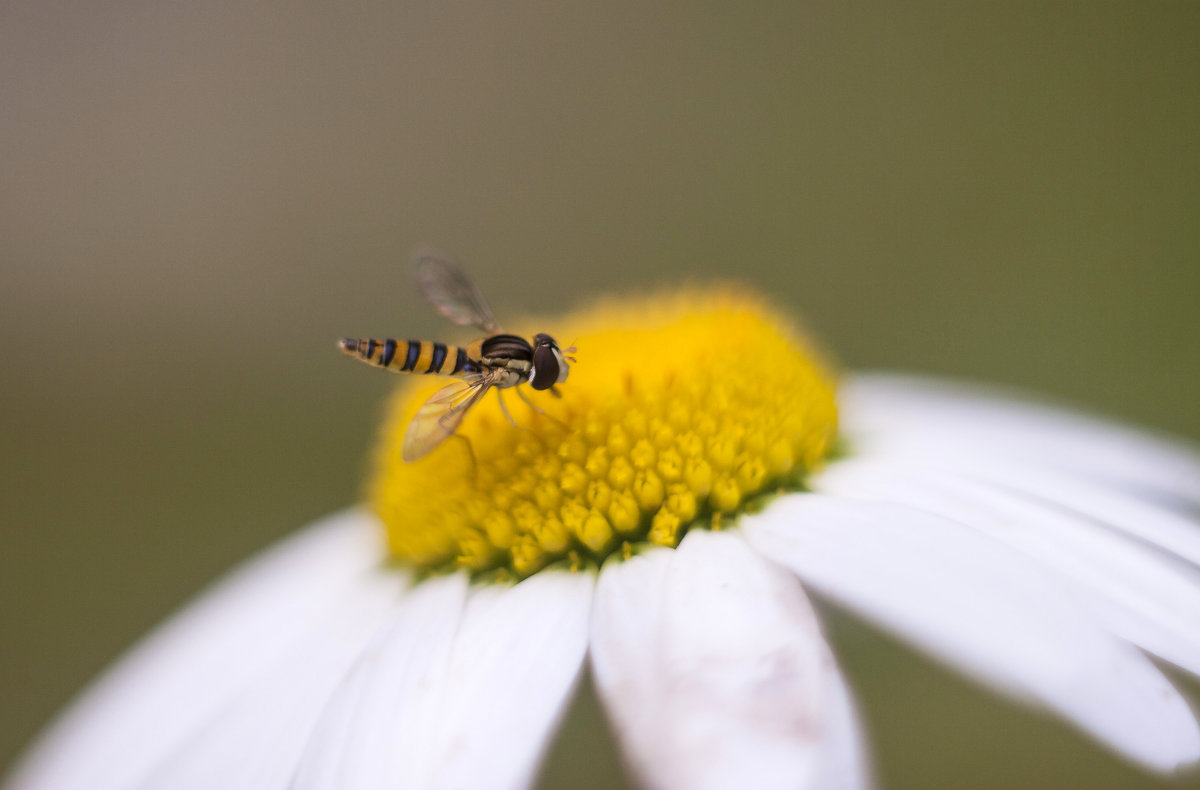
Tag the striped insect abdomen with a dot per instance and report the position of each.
(410, 356)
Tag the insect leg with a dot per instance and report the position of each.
(504, 409)
(536, 408)
(470, 453)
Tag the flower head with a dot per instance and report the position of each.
(1044, 554)
(684, 408)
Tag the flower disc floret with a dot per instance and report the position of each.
(679, 410)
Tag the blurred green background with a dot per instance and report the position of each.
(197, 199)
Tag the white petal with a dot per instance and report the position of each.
(844, 762)
(1145, 487)
(985, 610)
(1148, 521)
(713, 668)
(1137, 592)
(198, 664)
(515, 661)
(257, 742)
(376, 730)
(948, 418)
(462, 693)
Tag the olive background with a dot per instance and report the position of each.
(197, 199)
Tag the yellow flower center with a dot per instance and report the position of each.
(678, 411)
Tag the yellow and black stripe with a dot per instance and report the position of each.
(410, 356)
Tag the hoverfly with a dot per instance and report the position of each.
(498, 360)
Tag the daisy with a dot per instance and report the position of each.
(665, 522)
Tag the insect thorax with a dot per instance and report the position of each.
(507, 347)
(511, 354)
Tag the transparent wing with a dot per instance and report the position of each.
(451, 291)
(440, 416)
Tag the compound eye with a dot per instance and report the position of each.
(545, 368)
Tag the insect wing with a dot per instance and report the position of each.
(451, 291)
(439, 417)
